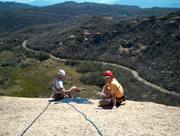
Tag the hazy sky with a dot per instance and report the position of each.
(141, 3)
(54, 1)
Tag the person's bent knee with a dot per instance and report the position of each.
(104, 102)
(100, 102)
(74, 87)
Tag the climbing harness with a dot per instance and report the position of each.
(34, 115)
(79, 101)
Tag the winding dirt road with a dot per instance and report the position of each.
(134, 73)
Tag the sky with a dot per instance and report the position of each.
(140, 3)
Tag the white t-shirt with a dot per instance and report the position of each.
(57, 84)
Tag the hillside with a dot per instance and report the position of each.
(152, 11)
(131, 118)
(16, 19)
(149, 44)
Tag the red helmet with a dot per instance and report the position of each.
(108, 73)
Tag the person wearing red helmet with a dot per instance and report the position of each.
(113, 89)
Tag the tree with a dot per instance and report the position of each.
(43, 56)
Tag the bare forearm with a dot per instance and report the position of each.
(106, 90)
(61, 91)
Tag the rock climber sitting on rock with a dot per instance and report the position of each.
(59, 90)
(113, 90)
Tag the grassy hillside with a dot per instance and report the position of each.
(36, 80)
(33, 78)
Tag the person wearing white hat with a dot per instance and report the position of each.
(58, 87)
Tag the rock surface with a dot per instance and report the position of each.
(131, 118)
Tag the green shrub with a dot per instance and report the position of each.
(72, 62)
(43, 56)
(93, 78)
(89, 66)
(26, 64)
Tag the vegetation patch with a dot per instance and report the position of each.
(36, 80)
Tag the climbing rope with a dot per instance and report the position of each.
(76, 100)
(79, 100)
(87, 118)
(34, 115)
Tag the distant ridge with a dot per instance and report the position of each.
(13, 19)
(149, 3)
(7, 5)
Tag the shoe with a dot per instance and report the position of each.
(124, 98)
(78, 90)
(52, 100)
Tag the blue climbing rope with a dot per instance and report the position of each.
(87, 118)
(79, 100)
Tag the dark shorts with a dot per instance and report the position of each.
(60, 96)
(117, 103)
(118, 100)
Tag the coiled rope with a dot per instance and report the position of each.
(34, 115)
(80, 100)
(76, 100)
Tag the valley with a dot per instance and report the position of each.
(84, 36)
